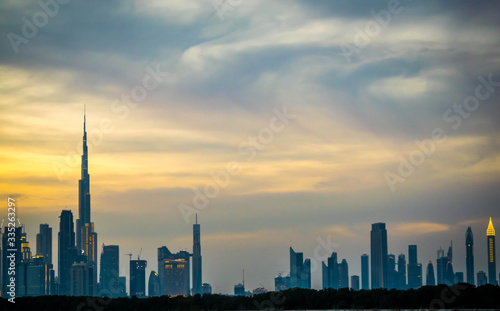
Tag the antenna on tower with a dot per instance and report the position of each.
(243, 277)
(196, 218)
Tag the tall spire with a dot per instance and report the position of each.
(490, 231)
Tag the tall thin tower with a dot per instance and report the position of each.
(469, 255)
(196, 258)
(492, 271)
(378, 256)
(83, 195)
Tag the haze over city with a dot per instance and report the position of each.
(314, 116)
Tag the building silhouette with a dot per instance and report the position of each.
(365, 279)
(430, 279)
(239, 289)
(469, 255)
(44, 243)
(392, 272)
(355, 282)
(378, 246)
(401, 271)
(174, 272)
(414, 268)
(109, 277)
(331, 272)
(83, 195)
(153, 284)
(459, 277)
(492, 271)
(67, 251)
(197, 283)
(300, 270)
(138, 278)
(82, 282)
(343, 274)
(481, 278)
(206, 288)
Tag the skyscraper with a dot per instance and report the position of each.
(296, 261)
(430, 280)
(414, 268)
(378, 245)
(365, 272)
(441, 262)
(305, 277)
(67, 251)
(469, 255)
(86, 237)
(401, 271)
(110, 267)
(344, 274)
(153, 284)
(481, 278)
(391, 271)
(176, 275)
(44, 243)
(82, 283)
(196, 259)
(138, 278)
(167, 276)
(355, 282)
(492, 271)
(332, 272)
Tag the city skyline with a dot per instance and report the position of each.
(325, 131)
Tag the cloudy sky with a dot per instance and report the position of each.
(327, 116)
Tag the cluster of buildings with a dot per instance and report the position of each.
(387, 272)
(77, 259)
(77, 262)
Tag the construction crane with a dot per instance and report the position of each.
(139, 256)
(129, 255)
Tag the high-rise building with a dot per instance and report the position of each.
(449, 273)
(355, 282)
(138, 278)
(414, 268)
(83, 196)
(206, 289)
(167, 275)
(324, 276)
(378, 245)
(82, 282)
(153, 284)
(110, 267)
(365, 272)
(331, 276)
(281, 283)
(239, 289)
(343, 274)
(197, 283)
(176, 275)
(469, 255)
(296, 262)
(430, 280)
(44, 243)
(391, 271)
(401, 271)
(492, 270)
(459, 277)
(305, 277)
(67, 251)
(481, 278)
